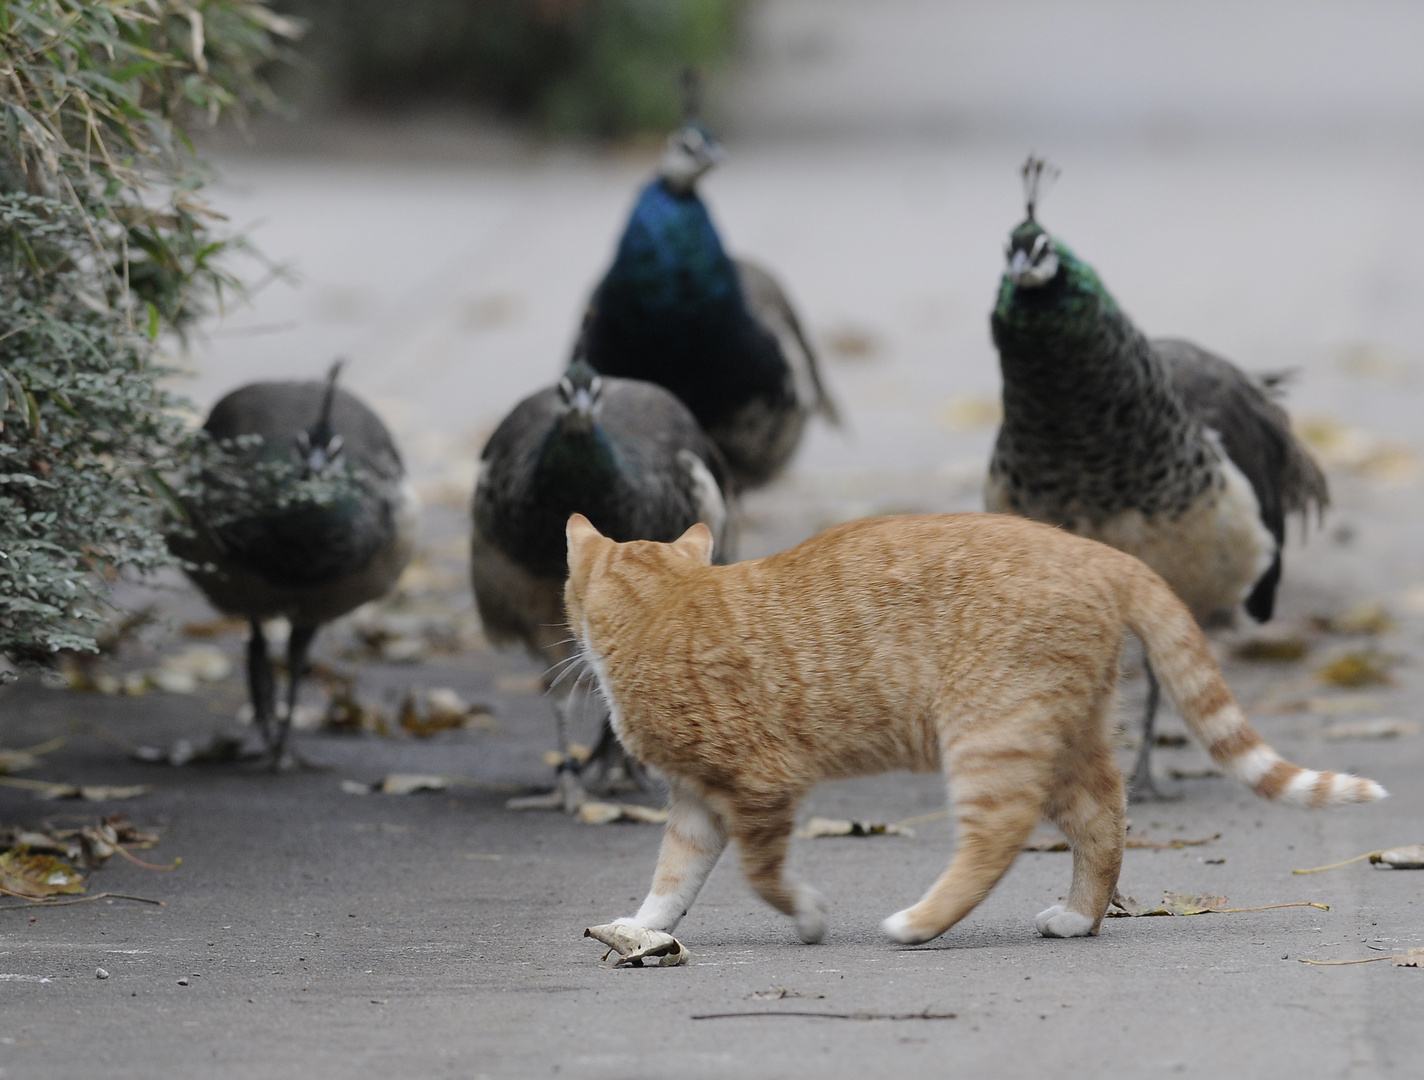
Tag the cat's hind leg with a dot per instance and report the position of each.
(693, 840)
(1090, 811)
(762, 837)
(997, 800)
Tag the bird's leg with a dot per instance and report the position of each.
(568, 794)
(1143, 787)
(298, 644)
(260, 685)
(619, 771)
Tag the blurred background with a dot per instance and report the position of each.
(453, 175)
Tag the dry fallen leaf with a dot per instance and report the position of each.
(603, 813)
(1386, 727)
(12, 761)
(1409, 857)
(1344, 447)
(90, 792)
(1265, 649)
(1142, 843)
(411, 783)
(423, 713)
(820, 826)
(1367, 618)
(1190, 904)
(634, 944)
(24, 873)
(1409, 958)
(1172, 904)
(1357, 669)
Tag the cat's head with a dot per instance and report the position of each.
(594, 559)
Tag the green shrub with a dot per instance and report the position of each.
(105, 244)
(595, 67)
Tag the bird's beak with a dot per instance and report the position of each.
(1023, 271)
(579, 416)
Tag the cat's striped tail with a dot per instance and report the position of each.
(1178, 652)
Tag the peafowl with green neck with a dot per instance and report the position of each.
(676, 310)
(1156, 447)
(628, 456)
(306, 513)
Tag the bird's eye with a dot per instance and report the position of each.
(566, 389)
(1039, 245)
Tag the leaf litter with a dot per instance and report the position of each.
(49, 863)
(605, 813)
(1174, 903)
(634, 944)
(1406, 857)
(1356, 670)
(44, 789)
(821, 826)
(1385, 727)
(1409, 958)
(424, 713)
(12, 761)
(416, 783)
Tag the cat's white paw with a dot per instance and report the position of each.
(810, 915)
(1059, 921)
(626, 920)
(900, 927)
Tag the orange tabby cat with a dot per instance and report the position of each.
(982, 644)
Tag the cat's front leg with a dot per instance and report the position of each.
(694, 839)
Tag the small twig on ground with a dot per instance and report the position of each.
(1342, 963)
(1337, 865)
(926, 1015)
(146, 865)
(34, 902)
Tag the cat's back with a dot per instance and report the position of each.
(985, 556)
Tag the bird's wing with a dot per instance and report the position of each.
(658, 439)
(1255, 431)
(770, 307)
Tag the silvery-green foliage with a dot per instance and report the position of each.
(105, 244)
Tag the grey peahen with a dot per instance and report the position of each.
(307, 514)
(676, 310)
(1156, 447)
(627, 455)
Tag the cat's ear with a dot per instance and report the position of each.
(696, 544)
(579, 530)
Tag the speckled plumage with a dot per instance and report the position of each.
(1099, 421)
(625, 453)
(675, 309)
(307, 561)
(1158, 448)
